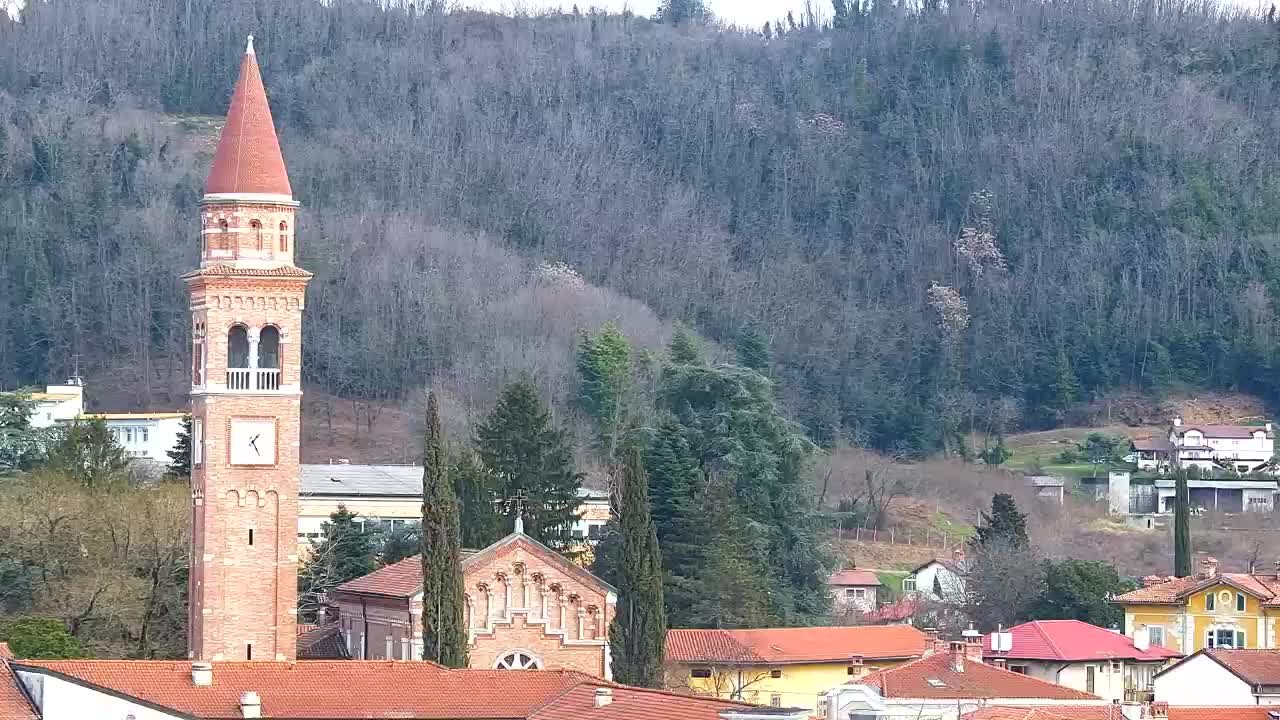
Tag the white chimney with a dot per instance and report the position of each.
(1142, 639)
(1177, 422)
(604, 696)
(250, 705)
(201, 674)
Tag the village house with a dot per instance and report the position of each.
(1205, 610)
(1130, 494)
(854, 590)
(939, 579)
(1237, 448)
(144, 435)
(790, 667)
(947, 685)
(1222, 677)
(1080, 656)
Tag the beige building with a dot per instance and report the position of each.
(390, 497)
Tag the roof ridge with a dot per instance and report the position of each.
(1048, 640)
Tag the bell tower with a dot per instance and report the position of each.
(247, 299)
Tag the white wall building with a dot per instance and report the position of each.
(1222, 677)
(148, 436)
(57, 404)
(1239, 448)
(935, 575)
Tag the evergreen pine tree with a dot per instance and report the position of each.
(481, 524)
(444, 637)
(604, 373)
(1004, 524)
(90, 453)
(638, 631)
(1182, 527)
(529, 457)
(344, 552)
(674, 481)
(1065, 387)
(753, 347)
(684, 348)
(180, 455)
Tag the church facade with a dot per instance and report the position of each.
(527, 608)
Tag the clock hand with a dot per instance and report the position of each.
(253, 442)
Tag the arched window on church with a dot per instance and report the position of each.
(257, 234)
(238, 347)
(284, 238)
(518, 660)
(269, 347)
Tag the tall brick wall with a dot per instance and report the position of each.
(243, 581)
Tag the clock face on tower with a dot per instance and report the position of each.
(253, 441)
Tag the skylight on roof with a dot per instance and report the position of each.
(935, 682)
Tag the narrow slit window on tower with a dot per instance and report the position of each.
(250, 537)
(257, 233)
(248, 651)
(284, 239)
(224, 241)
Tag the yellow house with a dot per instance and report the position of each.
(1205, 610)
(785, 667)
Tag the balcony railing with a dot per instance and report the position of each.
(251, 379)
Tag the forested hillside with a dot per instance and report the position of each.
(964, 217)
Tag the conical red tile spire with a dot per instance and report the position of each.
(248, 160)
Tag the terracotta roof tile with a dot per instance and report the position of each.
(322, 643)
(377, 689)
(794, 645)
(248, 158)
(13, 702)
(1175, 590)
(279, 271)
(1246, 712)
(933, 677)
(854, 577)
(1072, 640)
(1051, 712)
(1256, 667)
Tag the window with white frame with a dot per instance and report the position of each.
(909, 584)
(1155, 635)
(1225, 637)
(1240, 602)
(1210, 602)
(197, 441)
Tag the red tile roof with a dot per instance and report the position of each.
(404, 579)
(934, 677)
(1245, 712)
(864, 578)
(280, 271)
(794, 645)
(1175, 590)
(1239, 432)
(248, 158)
(322, 643)
(1052, 712)
(376, 689)
(1072, 640)
(1256, 667)
(13, 702)
(897, 611)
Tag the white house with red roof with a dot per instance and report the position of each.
(948, 686)
(1226, 677)
(1239, 448)
(854, 589)
(1080, 656)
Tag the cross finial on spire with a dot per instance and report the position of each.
(249, 49)
(518, 503)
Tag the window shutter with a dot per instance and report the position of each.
(1239, 639)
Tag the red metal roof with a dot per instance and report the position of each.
(248, 158)
(795, 645)
(1072, 640)
(864, 578)
(377, 689)
(934, 677)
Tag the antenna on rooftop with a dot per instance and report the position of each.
(75, 378)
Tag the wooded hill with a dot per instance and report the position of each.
(952, 218)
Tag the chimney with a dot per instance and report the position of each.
(957, 553)
(201, 674)
(1159, 709)
(1142, 639)
(855, 666)
(604, 696)
(931, 635)
(972, 644)
(1210, 567)
(1177, 422)
(1268, 426)
(957, 656)
(1000, 663)
(250, 705)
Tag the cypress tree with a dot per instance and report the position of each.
(1182, 527)
(638, 631)
(674, 482)
(444, 639)
(527, 455)
(1004, 523)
